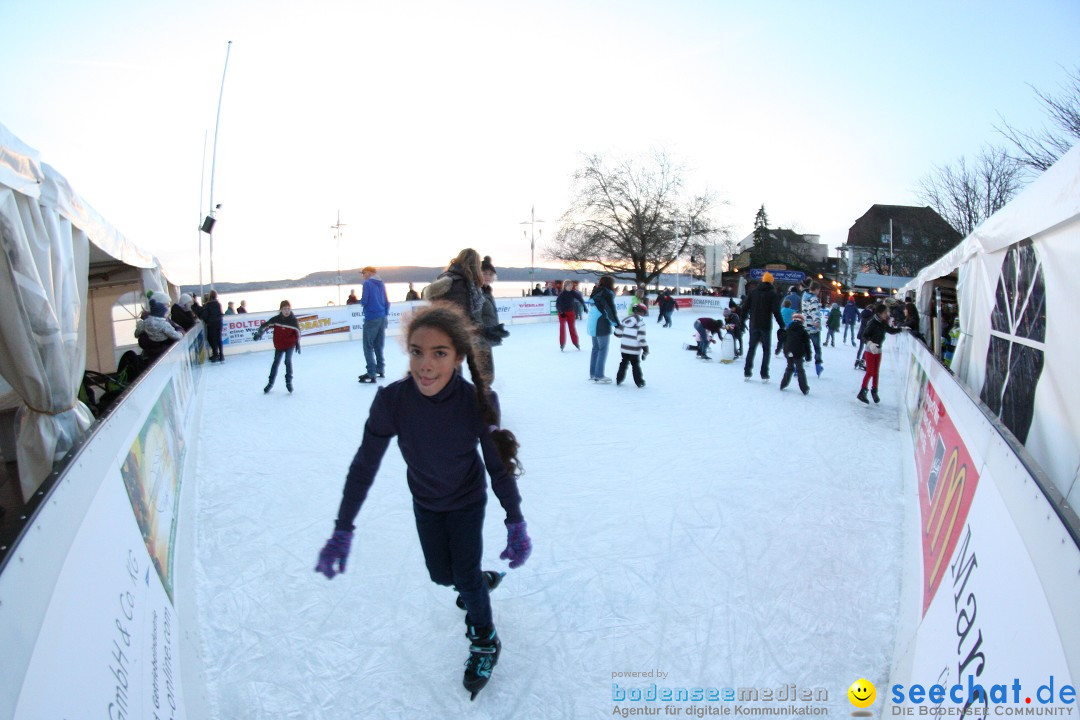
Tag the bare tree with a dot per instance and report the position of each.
(1040, 149)
(966, 195)
(631, 218)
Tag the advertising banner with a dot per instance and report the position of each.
(779, 276)
(239, 329)
(109, 640)
(703, 302)
(986, 620)
(947, 479)
(990, 620)
(397, 311)
(108, 646)
(530, 307)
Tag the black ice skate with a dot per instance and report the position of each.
(492, 579)
(484, 647)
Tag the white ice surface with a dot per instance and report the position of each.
(722, 532)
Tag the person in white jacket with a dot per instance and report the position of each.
(811, 310)
(154, 332)
(634, 346)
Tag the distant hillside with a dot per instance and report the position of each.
(409, 273)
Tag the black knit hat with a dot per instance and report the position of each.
(486, 266)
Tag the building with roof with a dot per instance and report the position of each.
(894, 240)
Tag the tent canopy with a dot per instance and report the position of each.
(885, 282)
(62, 266)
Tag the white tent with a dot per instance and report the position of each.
(1016, 291)
(61, 268)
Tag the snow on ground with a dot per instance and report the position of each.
(722, 532)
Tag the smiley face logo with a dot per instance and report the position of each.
(862, 693)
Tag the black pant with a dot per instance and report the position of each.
(794, 365)
(635, 363)
(453, 543)
(213, 339)
(277, 361)
(763, 338)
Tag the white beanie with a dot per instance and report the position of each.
(184, 301)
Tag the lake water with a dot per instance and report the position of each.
(311, 297)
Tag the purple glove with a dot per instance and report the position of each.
(518, 545)
(336, 550)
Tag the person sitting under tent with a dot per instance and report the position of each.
(154, 332)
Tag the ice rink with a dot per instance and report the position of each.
(718, 532)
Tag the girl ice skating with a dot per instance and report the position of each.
(439, 418)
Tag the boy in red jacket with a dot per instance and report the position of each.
(286, 339)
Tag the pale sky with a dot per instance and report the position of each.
(433, 126)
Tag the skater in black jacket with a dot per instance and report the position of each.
(761, 307)
(439, 418)
(796, 350)
(873, 336)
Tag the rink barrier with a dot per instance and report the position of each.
(991, 576)
(97, 598)
(338, 323)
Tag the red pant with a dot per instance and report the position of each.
(873, 364)
(567, 318)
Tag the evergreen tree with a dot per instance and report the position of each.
(762, 250)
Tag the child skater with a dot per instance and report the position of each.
(286, 339)
(439, 418)
(873, 336)
(796, 350)
(706, 326)
(634, 346)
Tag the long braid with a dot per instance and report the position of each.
(505, 442)
(450, 319)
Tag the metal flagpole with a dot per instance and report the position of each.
(531, 222)
(337, 236)
(213, 161)
(202, 184)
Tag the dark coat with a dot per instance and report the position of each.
(851, 312)
(212, 314)
(876, 330)
(567, 301)
(797, 342)
(184, 318)
(604, 300)
(453, 286)
(864, 318)
(761, 306)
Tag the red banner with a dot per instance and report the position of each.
(947, 481)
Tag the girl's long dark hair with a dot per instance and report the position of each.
(450, 319)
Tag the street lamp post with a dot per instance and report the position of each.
(532, 222)
(337, 238)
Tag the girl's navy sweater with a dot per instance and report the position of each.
(437, 437)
